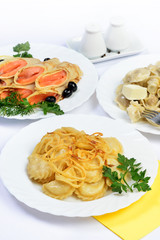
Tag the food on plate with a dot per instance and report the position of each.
(12, 103)
(72, 161)
(48, 76)
(68, 162)
(10, 65)
(60, 75)
(42, 95)
(23, 91)
(133, 91)
(5, 82)
(22, 49)
(29, 74)
(36, 81)
(140, 90)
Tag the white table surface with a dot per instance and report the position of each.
(55, 22)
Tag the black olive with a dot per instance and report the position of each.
(46, 59)
(1, 60)
(67, 93)
(50, 99)
(72, 86)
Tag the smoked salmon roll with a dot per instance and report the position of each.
(10, 65)
(61, 74)
(41, 95)
(24, 91)
(28, 74)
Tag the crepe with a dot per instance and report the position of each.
(61, 74)
(10, 65)
(28, 74)
(24, 91)
(41, 95)
(5, 82)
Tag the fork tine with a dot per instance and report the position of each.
(151, 113)
(147, 116)
(152, 116)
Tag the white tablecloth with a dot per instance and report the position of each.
(55, 22)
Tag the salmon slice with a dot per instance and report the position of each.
(10, 68)
(4, 94)
(41, 97)
(29, 75)
(53, 79)
(23, 92)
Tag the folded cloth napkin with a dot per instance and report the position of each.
(138, 219)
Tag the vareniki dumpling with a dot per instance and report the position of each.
(68, 162)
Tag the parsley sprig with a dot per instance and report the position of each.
(14, 105)
(22, 50)
(128, 166)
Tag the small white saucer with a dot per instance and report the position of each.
(135, 47)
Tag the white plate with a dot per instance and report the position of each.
(13, 163)
(86, 86)
(112, 78)
(135, 47)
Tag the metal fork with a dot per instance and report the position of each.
(152, 116)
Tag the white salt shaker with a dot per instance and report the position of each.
(93, 43)
(117, 37)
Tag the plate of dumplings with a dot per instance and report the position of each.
(129, 87)
(55, 165)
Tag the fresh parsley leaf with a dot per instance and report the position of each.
(17, 55)
(22, 50)
(14, 105)
(128, 166)
(26, 55)
(21, 47)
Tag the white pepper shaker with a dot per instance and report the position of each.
(117, 36)
(93, 43)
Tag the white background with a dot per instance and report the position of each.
(55, 22)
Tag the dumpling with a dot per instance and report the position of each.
(91, 191)
(135, 111)
(153, 84)
(115, 145)
(151, 101)
(93, 175)
(120, 99)
(39, 170)
(58, 189)
(137, 75)
(155, 69)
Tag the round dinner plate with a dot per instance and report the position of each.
(106, 89)
(13, 162)
(86, 86)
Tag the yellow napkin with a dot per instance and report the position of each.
(139, 219)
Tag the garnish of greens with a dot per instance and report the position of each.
(22, 49)
(128, 166)
(14, 105)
